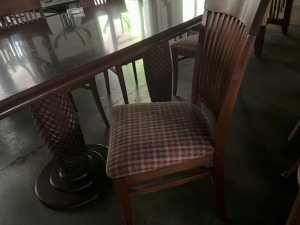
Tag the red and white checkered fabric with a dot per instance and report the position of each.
(149, 136)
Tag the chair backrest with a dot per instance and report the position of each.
(278, 8)
(92, 3)
(227, 34)
(16, 12)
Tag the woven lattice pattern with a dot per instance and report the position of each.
(158, 72)
(150, 136)
(56, 120)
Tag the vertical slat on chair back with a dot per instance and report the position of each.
(227, 34)
(16, 12)
(224, 39)
(276, 10)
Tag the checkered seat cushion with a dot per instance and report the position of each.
(150, 136)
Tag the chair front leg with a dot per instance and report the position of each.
(218, 178)
(121, 188)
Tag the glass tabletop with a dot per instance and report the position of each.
(53, 50)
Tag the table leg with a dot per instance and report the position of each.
(76, 175)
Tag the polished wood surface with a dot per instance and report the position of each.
(88, 46)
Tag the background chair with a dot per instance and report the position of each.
(181, 49)
(279, 13)
(118, 6)
(16, 13)
(185, 47)
(154, 146)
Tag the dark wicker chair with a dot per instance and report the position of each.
(158, 145)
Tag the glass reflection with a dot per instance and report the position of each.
(70, 27)
(121, 25)
(192, 9)
(28, 61)
(16, 63)
(159, 15)
(22, 60)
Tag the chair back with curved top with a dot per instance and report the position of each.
(14, 12)
(227, 33)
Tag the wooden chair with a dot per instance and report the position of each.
(279, 14)
(294, 168)
(158, 145)
(117, 69)
(16, 13)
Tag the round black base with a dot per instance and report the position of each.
(57, 193)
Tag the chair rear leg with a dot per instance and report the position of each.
(218, 178)
(106, 78)
(287, 16)
(120, 75)
(175, 71)
(121, 188)
(96, 96)
(134, 72)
